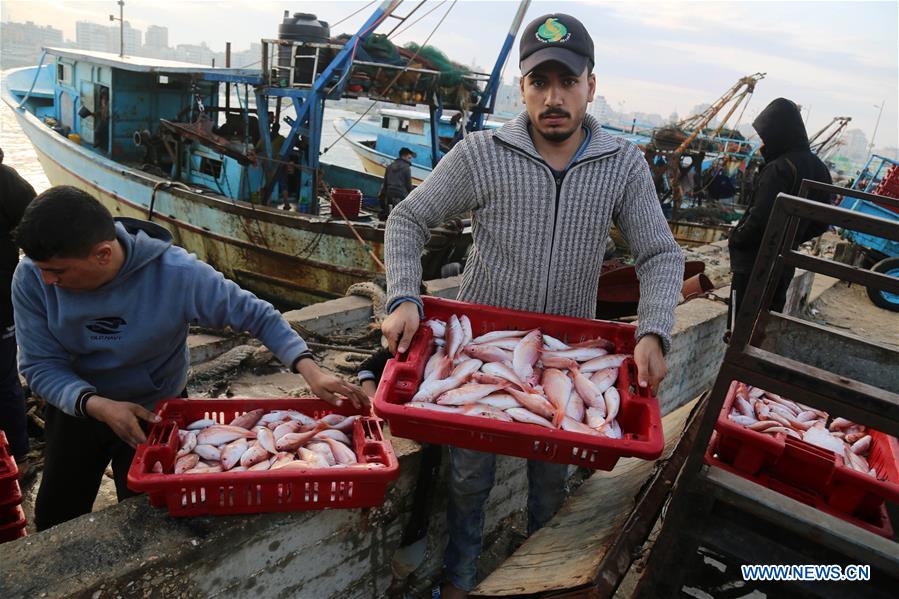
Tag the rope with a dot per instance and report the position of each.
(409, 26)
(361, 241)
(396, 78)
(353, 14)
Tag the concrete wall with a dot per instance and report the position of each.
(132, 549)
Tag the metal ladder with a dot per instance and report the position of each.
(717, 509)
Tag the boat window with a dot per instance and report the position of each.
(417, 127)
(210, 167)
(64, 73)
(385, 122)
(404, 126)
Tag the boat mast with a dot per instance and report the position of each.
(309, 105)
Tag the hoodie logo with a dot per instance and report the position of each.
(108, 325)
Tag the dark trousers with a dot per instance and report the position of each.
(77, 453)
(740, 280)
(13, 421)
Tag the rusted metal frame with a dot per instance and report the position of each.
(639, 524)
(844, 272)
(684, 506)
(819, 388)
(803, 520)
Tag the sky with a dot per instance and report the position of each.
(833, 58)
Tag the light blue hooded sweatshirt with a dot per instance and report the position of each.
(127, 340)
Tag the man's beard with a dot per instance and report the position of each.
(556, 135)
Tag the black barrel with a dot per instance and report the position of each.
(303, 27)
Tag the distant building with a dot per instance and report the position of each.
(94, 37)
(508, 98)
(157, 37)
(22, 43)
(198, 54)
(855, 145)
(600, 109)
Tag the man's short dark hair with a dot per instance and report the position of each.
(63, 222)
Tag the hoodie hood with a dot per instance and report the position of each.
(781, 128)
(143, 242)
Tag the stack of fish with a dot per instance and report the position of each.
(766, 412)
(522, 376)
(257, 441)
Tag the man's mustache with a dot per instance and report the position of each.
(554, 112)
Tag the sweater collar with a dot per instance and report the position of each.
(515, 133)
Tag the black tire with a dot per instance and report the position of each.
(883, 299)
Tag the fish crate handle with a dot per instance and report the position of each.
(631, 368)
(162, 445)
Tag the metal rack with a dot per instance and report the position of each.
(753, 524)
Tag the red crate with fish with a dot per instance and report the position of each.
(10, 492)
(851, 469)
(241, 456)
(877, 521)
(523, 384)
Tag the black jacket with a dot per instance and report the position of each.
(397, 179)
(15, 195)
(788, 160)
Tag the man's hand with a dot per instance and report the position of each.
(369, 388)
(400, 326)
(123, 417)
(651, 368)
(329, 387)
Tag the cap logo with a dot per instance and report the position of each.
(552, 31)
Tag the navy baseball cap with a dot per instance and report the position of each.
(555, 37)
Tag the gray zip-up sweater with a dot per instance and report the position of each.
(538, 242)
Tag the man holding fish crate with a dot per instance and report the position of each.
(102, 308)
(543, 191)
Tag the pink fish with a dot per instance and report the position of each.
(595, 418)
(187, 446)
(434, 407)
(313, 458)
(597, 342)
(537, 404)
(291, 441)
(605, 378)
(550, 343)
(612, 430)
(438, 366)
(454, 337)
(861, 446)
(494, 335)
(557, 388)
(347, 425)
(186, 462)
(466, 330)
(291, 426)
(487, 379)
(204, 470)
(342, 453)
(500, 401)
(255, 454)
(572, 425)
(527, 353)
(324, 450)
(486, 412)
(574, 407)
(485, 353)
(332, 419)
(334, 434)
(556, 362)
(248, 420)
(430, 390)
(438, 327)
(200, 424)
(510, 343)
(232, 452)
(523, 415)
(208, 452)
(581, 354)
(588, 392)
(603, 362)
(467, 394)
(281, 458)
(613, 402)
(504, 371)
(221, 434)
(266, 438)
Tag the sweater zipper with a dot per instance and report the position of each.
(558, 184)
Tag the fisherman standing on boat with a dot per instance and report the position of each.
(397, 181)
(543, 192)
(788, 160)
(15, 195)
(102, 307)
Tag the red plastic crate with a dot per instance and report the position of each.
(810, 467)
(10, 493)
(267, 491)
(12, 523)
(877, 522)
(640, 420)
(349, 201)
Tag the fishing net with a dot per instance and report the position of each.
(451, 73)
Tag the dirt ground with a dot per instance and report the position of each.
(848, 307)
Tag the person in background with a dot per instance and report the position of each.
(397, 182)
(290, 182)
(788, 160)
(15, 195)
(103, 307)
(543, 191)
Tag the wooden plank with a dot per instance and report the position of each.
(820, 346)
(845, 272)
(566, 553)
(804, 521)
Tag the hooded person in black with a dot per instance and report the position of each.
(788, 160)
